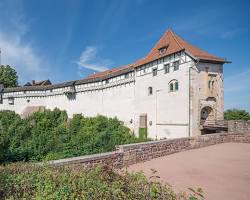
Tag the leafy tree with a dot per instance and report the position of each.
(236, 114)
(14, 133)
(51, 135)
(8, 76)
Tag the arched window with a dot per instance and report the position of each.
(176, 86)
(173, 86)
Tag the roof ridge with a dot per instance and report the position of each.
(174, 36)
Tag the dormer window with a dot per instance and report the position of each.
(163, 49)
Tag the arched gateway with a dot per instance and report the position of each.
(207, 115)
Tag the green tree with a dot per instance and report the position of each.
(8, 76)
(236, 114)
(51, 135)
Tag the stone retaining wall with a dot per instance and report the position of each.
(134, 153)
(235, 126)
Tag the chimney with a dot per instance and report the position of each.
(33, 82)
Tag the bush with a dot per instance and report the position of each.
(27, 181)
(51, 135)
(236, 114)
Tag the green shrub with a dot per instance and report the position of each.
(51, 135)
(236, 114)
(27, 181)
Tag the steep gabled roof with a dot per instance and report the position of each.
(38, 83)
(197, 52)
(173, 44)
(170, 43)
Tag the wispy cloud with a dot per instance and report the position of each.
(89, 60)
(21, 56)
(232, 33)
(18, 51)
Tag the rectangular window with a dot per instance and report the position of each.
(143, 121)
(11, 100)
(176, 65)
(154, 71)
(166, 68)
(150, 90)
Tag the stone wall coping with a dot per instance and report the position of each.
(126, 146)
(85, 158)
(241, 121)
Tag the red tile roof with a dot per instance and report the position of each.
(171, 43)
(107, 72)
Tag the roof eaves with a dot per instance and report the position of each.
(191, 55)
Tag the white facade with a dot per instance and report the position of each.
(169, 114)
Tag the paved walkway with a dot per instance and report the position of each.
(223, 170)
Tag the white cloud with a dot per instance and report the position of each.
(21, 56)
(16, 49)
(89, 60)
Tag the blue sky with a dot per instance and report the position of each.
(65, 40)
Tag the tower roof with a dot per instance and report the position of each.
(168, 44)
(171, 43)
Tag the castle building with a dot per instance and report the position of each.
(171, 92)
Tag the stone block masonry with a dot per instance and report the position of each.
(134, 153)
(235, 126)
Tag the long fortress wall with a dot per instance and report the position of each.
(124, 96)
(169, 92)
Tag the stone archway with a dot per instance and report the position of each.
(207, 114)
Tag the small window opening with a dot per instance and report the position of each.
(150, 90)
(176, 86)
(173, 86)
(166, 68)
(154, 71)
(176, 65)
